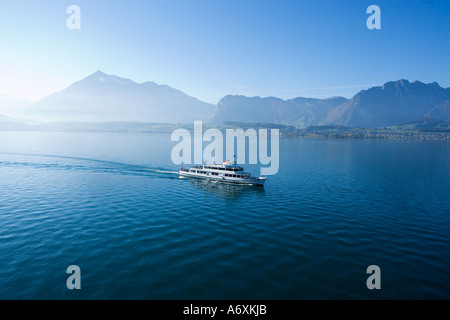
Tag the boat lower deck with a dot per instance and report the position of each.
(221, 178)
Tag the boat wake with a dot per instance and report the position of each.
(61, 162)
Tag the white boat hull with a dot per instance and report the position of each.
(253, 181)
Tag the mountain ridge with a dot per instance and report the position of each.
(101, 97)
(297, 111)
(390, 104)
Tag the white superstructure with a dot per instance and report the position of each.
(226, 172)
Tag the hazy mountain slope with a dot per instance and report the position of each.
(392, 103)
(441, 111)
(308, 111)
(102, 97)
(247, 109)
(298, 111)
(4, 118)
(12, 107)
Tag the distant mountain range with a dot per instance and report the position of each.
(393, 103)
(101, 97)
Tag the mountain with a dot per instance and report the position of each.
(12, 107)
(8, 119)
(308, 111)
(299, 111)
(102, 97)
(394, 102)
(236, 108)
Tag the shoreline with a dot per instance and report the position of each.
(399, 132)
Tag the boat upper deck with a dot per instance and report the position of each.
(220, 167)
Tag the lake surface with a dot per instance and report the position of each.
(111, 204)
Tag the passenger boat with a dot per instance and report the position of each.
(227, 172)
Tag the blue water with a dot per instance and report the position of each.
(111, 204)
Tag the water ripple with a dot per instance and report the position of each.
(139, 232)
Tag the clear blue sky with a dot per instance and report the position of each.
(211, 48)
